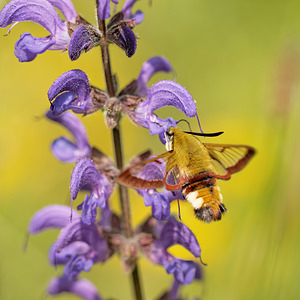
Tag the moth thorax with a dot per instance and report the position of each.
(169, 145)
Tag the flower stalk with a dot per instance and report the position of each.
(116, 131)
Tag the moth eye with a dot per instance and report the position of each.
(170, 134)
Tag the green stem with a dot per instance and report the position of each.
(123, 191)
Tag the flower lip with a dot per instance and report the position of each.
(70, 91)
(62, 148)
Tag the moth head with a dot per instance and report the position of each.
(169, 139)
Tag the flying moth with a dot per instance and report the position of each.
(193, 167)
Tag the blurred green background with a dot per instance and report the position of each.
(240, 60)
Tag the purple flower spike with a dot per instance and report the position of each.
(80, 41)
(44, 14)
(164, 93)
(86, 176)
(49, 217)
(127, 7)
(104, 8)
(75, 89)
(81, 287)
(62, 148)
(150, 67)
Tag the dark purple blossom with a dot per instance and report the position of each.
(164, 93)
(62, 148)
(86, 176)
(80, 41)
(70, 91)
(119, 32)
(43, 13)
(138, 16)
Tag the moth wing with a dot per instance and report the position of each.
(174, 179)
(131, 175)
(229, 159)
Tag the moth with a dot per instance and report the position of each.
(193, 167)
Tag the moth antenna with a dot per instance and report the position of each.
(183, 120)
(179, 213)
(205, 134)
(199, 123)
(202, 262)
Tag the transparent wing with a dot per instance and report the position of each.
(229, 159)
(146, 174)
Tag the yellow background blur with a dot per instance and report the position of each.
(240, 61)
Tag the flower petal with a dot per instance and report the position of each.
(86, 176)
(71, 250)
(76, 82)
(175, 232)
(89, 210)
(127, 7)
(150, 67)
(104, 8)
(67, 8)
(52, 216)
(62, 148)
(80, 41)
(128, 41)
(79, 231)
(81, 287)
(38, 11)
(164, 93)
(76, 265)
(160, 207)
(183, 271)
(27, 47)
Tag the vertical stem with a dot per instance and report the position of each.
(123, 191)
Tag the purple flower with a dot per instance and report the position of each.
(172, 233)
(138, 16)
(80, 287)
(150, 67)
(70, 91)
(104, 8)
(62, 148)
(43, 13)
(80, 40)
(164, 93)
(79, 246)
(119, 32)
(86, 176)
